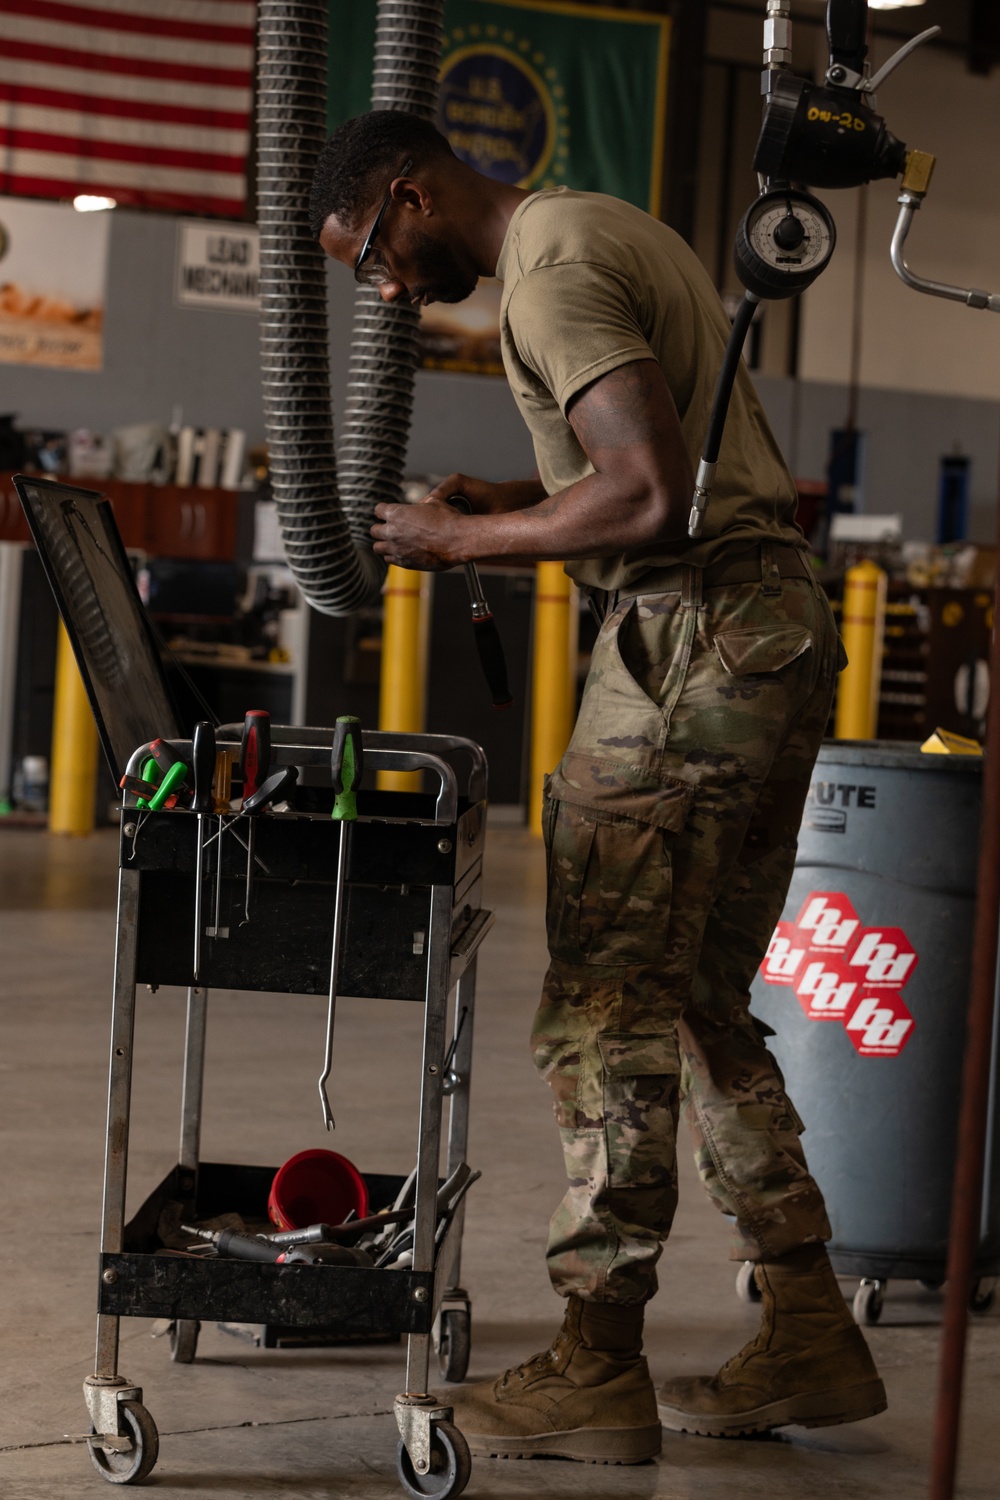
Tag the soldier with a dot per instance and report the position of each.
(671, 821)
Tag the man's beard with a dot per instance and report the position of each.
(439, 276)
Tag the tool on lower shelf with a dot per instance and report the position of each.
(231, 1243)
(449, 1196)
(203, 762)
(488, 642)
(346, 770)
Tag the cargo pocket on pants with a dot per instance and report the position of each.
(641, 1086)
(608, 831)
(759, 651)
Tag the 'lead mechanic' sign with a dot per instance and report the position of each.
(218, 265)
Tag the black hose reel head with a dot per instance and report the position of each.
(822, 135)
(818, 135)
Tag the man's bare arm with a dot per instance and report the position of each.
(639, 493)
(490, 498)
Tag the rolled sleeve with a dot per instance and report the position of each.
(573, 323)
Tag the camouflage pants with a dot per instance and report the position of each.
(670, 831)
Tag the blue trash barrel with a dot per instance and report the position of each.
(866, 984)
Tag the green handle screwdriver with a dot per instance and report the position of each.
(346, 767)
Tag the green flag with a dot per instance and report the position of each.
(537, 95)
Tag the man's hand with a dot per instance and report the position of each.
(637, 496)
(488, 499)
(422, 536)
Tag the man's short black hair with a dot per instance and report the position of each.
(359, 161)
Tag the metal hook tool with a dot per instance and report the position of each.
(346, 767)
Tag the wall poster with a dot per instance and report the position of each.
(53, 275)
(541, 95)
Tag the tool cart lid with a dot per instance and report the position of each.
(89, 572)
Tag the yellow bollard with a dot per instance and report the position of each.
(863, 631)
(553, 681)
(403, 680)
(73, 776)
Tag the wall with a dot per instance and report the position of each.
(907, 435)
(912, 342)
(158, 355)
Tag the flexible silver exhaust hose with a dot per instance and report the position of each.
(325, 532)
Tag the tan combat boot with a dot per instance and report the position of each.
(808, 1365)
(588, 1397)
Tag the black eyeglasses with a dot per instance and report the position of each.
(377, 275)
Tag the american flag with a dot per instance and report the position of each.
(144, 101)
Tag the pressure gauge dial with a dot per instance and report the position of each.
(784, 241)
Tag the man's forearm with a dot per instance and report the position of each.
(519, 494)
(592, 518)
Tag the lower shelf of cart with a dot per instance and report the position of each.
(148, 1280)
(352, 1298)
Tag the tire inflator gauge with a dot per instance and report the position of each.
(823, 135)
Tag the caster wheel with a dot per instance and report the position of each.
(867, 1305)
(931, 1286)
(454, 1343)
(747, 1289)
(984, 1294)
(131, 1467)
(451, 1465)
(183, 1339)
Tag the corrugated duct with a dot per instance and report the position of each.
(325, 529)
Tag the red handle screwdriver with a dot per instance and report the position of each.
(255, 749)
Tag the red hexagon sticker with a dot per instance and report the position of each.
(826, 989)
(879, 1025)
(784, 955)
(884, 958)
(828, 923)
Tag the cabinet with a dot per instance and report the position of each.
(13, 525)
(129, 503)
(191, 522)
(164, 520)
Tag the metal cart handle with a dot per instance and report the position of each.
(381, 739)
(402, 756)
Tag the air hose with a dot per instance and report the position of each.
(325, 527)
(705, 477)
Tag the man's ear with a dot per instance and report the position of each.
(412, 195)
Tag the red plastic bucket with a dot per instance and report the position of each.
(316, 1187)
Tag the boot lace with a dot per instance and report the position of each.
(538, 1364)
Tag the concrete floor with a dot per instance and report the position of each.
(317, 1424)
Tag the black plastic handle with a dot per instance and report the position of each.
(243, 1247)
(270, 790)
(165, 754)
(847, 32)
(488, 642)
(203, 765)
(492, 660)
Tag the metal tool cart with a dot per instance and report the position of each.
(383, 900)
(412, 926)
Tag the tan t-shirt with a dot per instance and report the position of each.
(591, 283)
